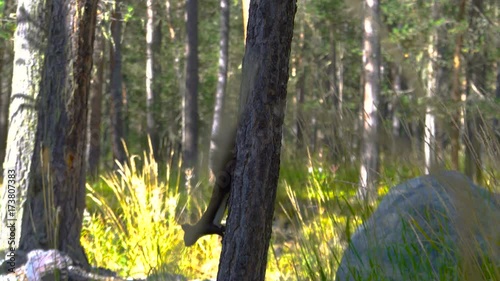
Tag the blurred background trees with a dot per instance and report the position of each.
(156, 73)
(438, 74)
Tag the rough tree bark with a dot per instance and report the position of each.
(6, 55)
(371, 71)
(46, 147)
(30, 33)
(262, 107)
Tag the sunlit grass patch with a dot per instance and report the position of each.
(320, 216)
(132, 226)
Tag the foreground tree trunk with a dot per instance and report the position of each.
(52, 81)
(5, 82)
(371, 70)
(21, 142)
(263, 98)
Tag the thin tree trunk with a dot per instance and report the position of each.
(397, 87)
(150, 76)
(95, 106)
(263, 97)
(300, 91)
(190, 100)
(371, 70)
(476, 74)
(116, 87)
(334, 87)
(496, 121)
(173, 12)
(220, 140)
(456, 92)
(433, 87)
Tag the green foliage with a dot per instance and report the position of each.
(134, 229)
(322, 217)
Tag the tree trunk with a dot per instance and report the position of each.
(456, 92)
(51, 97)
(300, 91)
(150, 76)
(95, 108)
(190, 101)
(5, 84)
(116, 112)
(397, 87)
(496, 121)
(371, 70)
(21, 142)
(433, 87)
(219, 138)
(476, 84)
(263, 97)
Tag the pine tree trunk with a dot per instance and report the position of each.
(95, 106)
(220, 139)
(190, 100)
(300, 91)
(262, 107)
(476, 84)
(50, 169)
(116, 112)
(456, 93)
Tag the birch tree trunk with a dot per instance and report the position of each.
(371, 71)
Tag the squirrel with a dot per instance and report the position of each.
(222, 164)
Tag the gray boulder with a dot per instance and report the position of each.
(439, 227)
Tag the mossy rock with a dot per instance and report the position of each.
(435, 227)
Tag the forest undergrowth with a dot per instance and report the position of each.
(133, 217)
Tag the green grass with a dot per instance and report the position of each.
(132, 226)
(132, 222)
